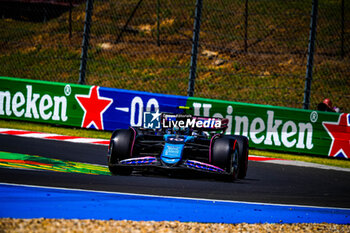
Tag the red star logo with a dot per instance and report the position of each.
(340, 134)
(94, 106)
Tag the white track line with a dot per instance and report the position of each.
(306, 164)
(49, 136)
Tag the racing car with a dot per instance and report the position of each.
(183, 142)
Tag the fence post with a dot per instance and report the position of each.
(70, 19)
(85, 46)
(310, 55)
(246, 27)
(158, 18)
(194, 53)
(342, 53)
(128, 21)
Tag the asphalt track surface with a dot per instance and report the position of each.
(265, 182)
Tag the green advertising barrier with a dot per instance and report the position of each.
(76, 105)
(283, 129)
(40, 101)
(267, 127)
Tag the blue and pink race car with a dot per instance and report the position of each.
(182, 142)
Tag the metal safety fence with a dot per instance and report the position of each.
(254, 51)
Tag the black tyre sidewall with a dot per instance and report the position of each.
(243, 144)
(222, 154)
(120, 146)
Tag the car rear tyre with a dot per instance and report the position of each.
(225, 154)
(120, 149)
(243, 144)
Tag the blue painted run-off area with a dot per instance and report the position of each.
(36, 202)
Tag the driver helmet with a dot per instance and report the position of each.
(328, 103)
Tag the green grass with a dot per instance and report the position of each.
(106, 135)
(272, 72)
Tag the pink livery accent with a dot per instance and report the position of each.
(211, 142)
(139, 158)
(133, 141)
(205, 164)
